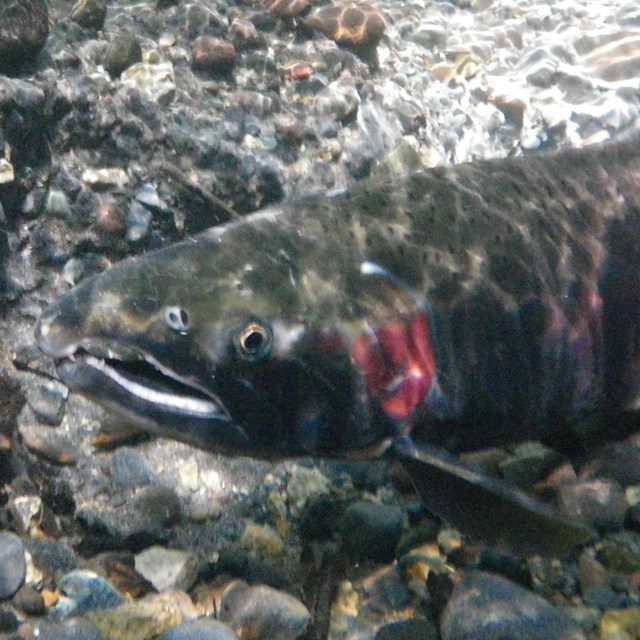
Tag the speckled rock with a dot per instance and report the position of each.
(487, 607)
(12, 564)
(359, 25)
(24, 26)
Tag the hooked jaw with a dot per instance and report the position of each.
(126, 379)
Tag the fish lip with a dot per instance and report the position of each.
(166, 390)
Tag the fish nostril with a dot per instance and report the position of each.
(177, 319)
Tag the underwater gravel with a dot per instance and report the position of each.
(140, 121)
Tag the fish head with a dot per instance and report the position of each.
(213, 345)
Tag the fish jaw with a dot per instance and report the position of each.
(121, 376)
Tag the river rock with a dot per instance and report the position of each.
(487, 607)
(371, 530)
(24, 27)
(13, 566)
(199, 630)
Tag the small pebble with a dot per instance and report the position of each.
(339, 101)
(300, 70)
(8, 620)
(591, 572)
(23, 33)
(602, 597)
(129, 469)
(262, 539)
(47, 400)
(52, 557)
(244, 35)
(123, 51)
(26, 512)
(49, 443)
(213, 55)
(6, 171)
(90, 14)
(105, 178)
(109, 217)
(29, 600)
(156, 81)
(167, 568)
(13, 565)
(371, 530)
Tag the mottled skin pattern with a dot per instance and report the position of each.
(520, 277)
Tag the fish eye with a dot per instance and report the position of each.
(177, 319)
(253, 341)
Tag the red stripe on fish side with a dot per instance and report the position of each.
(398, 362)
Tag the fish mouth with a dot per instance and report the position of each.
(148, 383)
(152, 396)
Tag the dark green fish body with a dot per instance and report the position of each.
(488, 302)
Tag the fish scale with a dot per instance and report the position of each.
(478, 304)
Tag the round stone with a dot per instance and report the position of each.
(13, 565)
(484, 606)
(371, 530)
(24, 27)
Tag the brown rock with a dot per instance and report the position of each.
(213, 54)
(244, 34)
(288, 8)
(353, 24)
(299, 70)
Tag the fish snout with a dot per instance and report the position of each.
(55, 335)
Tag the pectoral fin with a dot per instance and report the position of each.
(487, 509)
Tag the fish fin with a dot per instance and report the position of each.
(486, 508)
